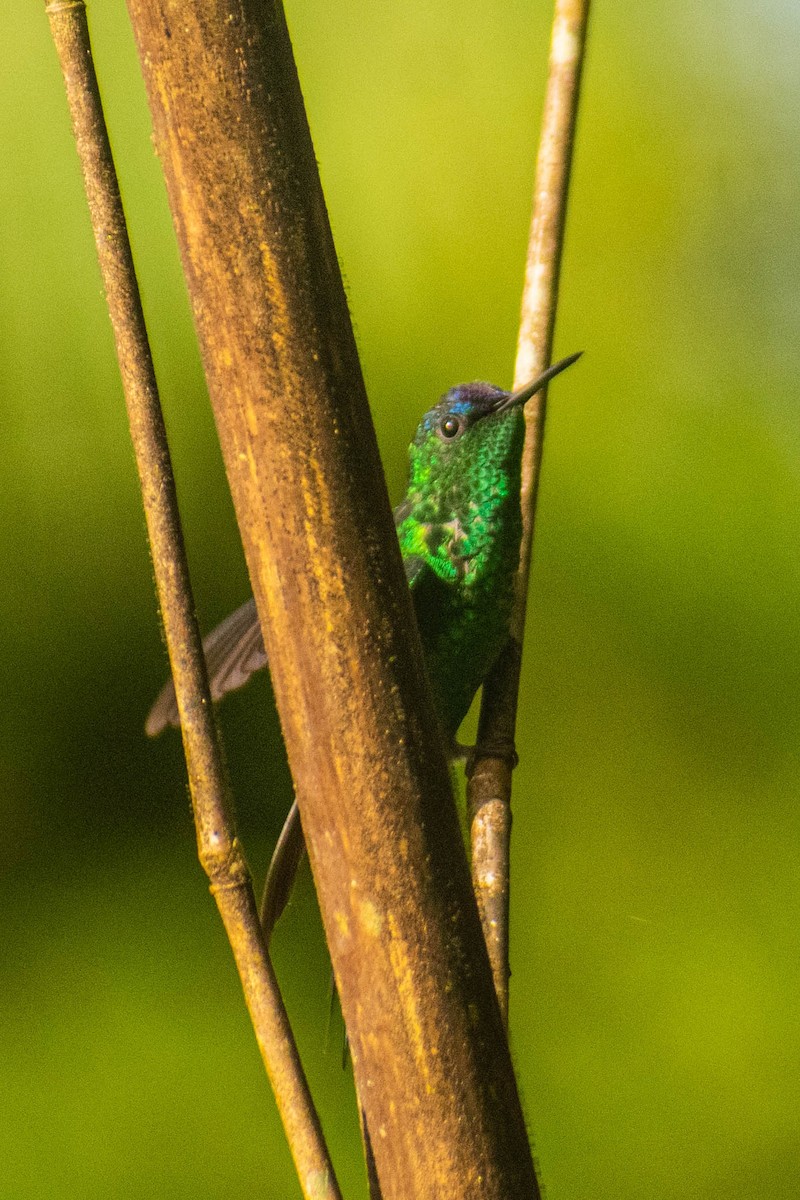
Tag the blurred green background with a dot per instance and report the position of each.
(656, 894)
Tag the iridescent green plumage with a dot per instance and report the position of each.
(459, 529)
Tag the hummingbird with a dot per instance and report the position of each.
(459, 528)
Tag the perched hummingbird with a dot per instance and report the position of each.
(459, 528)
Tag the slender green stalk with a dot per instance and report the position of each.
(218, 846)
(489, 788)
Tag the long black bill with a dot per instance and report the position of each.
(538, 383)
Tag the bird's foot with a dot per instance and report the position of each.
(502, 748)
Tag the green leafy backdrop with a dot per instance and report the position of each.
(656, 894)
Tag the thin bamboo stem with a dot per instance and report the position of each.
(489, 788)
(218, 847)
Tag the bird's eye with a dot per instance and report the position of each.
(450, 427)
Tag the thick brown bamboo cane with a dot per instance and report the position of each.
(429, 1051)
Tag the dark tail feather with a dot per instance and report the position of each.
(282, 871)
(234, 651)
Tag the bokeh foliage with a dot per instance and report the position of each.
(655, 1019)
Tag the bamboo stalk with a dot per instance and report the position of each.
(218, 847)
(429, 1052)
(489, 787)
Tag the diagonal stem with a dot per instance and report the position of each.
(430, 1057)
(489, 789)
(218, 846)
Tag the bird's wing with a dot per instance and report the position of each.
(233, 651)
